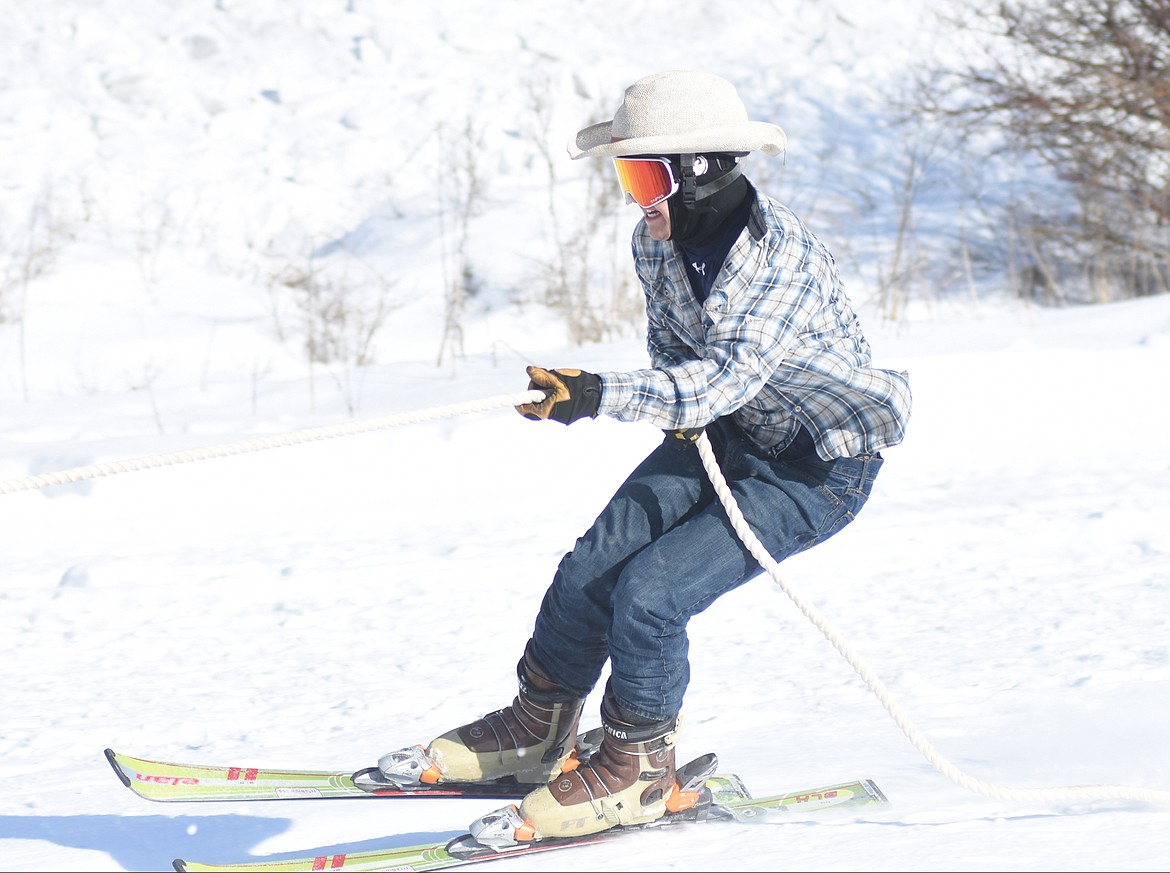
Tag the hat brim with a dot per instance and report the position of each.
(596, 141)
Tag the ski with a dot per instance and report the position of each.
(170, 782)
(729, 801)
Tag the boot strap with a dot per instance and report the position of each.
(656, 735)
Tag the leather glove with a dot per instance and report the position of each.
(569, 395)
(686, 434)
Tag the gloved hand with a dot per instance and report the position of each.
(686, 434)
(569, 395)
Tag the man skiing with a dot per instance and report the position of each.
(752, 340)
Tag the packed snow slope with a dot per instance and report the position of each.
(320, 604)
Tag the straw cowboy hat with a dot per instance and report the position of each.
(678, 112)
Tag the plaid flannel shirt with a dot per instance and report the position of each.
(776, 345)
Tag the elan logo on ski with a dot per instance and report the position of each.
(166, 780)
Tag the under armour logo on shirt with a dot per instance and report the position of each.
(699, 267)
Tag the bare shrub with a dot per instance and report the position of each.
(1083, 88)
(32, 245)
(586, 276)
(339, 303)
(460, 202)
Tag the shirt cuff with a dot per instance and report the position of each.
(617, 392)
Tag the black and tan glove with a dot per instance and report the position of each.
(569, 395)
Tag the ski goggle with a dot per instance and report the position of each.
(645, 181)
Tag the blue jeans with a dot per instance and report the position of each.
(663, 550)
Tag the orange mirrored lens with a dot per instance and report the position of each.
(645, 181)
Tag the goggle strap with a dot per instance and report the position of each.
(687, 182)
(692, 192)
(704, 191)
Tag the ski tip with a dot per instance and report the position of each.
(112, 757)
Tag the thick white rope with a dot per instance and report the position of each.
(749, 539)
(92, 471)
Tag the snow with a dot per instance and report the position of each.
(321, 604)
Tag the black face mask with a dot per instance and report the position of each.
(694, 224)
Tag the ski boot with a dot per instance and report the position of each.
(527, 742)
(629, 780)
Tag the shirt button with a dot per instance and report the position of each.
(796, 409)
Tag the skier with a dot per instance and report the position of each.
(752, 340)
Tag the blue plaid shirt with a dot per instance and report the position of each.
(776, 345)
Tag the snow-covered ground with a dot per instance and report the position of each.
(320, 604)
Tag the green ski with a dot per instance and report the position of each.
(170, 782)
(729, 801)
